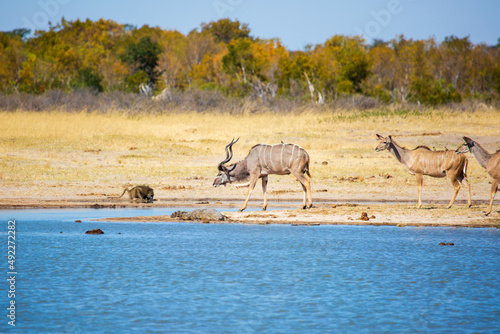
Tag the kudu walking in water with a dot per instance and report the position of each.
(263, 160)
(489, 161)
(423, 161)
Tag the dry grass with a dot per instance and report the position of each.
(167, 150)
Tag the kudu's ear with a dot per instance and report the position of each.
(468, 141)
(390, 138)
(379, 137)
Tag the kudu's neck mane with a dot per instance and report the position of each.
(482, 155)
(412, 149)
(401, 152)
(398, 151)
(239, 171)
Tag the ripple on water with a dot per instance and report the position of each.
(172, 277)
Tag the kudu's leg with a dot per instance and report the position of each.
(253, 181)
(306, 187)
(494, 187)
(264, 190)
(469, 202)
(304, 190)
(419, 187)
(308, 193)
(456, 188)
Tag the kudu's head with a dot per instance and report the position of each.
(385, 142)
(223, 176)
(465, 147)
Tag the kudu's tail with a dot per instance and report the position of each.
(465, 167)
(464, 171)
(306, 169)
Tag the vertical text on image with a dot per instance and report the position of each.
(12, 271)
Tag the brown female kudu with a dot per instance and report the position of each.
(489, 161)
(422, 161)
(263, 160)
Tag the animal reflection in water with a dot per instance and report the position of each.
(141, 194)
(262, 161)
(423, 161)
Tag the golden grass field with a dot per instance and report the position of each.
(69, 158)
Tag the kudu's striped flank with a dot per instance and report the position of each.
(423, 161)
(489, 161)
(264, 160)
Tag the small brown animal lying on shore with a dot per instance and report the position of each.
(142, 194)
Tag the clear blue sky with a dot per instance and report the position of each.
(296, 22)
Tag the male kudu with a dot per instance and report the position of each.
(263, 160)
(489, 161)
(423, 161)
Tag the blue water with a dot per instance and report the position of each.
(230, 278)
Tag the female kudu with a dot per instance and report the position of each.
(489, 161)
(422, 161)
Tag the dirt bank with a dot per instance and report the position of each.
(337, 204)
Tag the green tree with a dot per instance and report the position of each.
(239, 59)
(226, 30)
(22, 32)
(172, 61)
(88, 78)
(144, 55)
(12, 56)
(457, 61)
(340, 65)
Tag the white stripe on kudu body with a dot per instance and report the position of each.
(271, 157)
(260, 154)
(281, 160)
(257, 165)
(291, 156)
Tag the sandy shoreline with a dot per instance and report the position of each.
(333, 211)
(381, 214)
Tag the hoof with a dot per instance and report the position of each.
(241, 210)
(264, 209)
